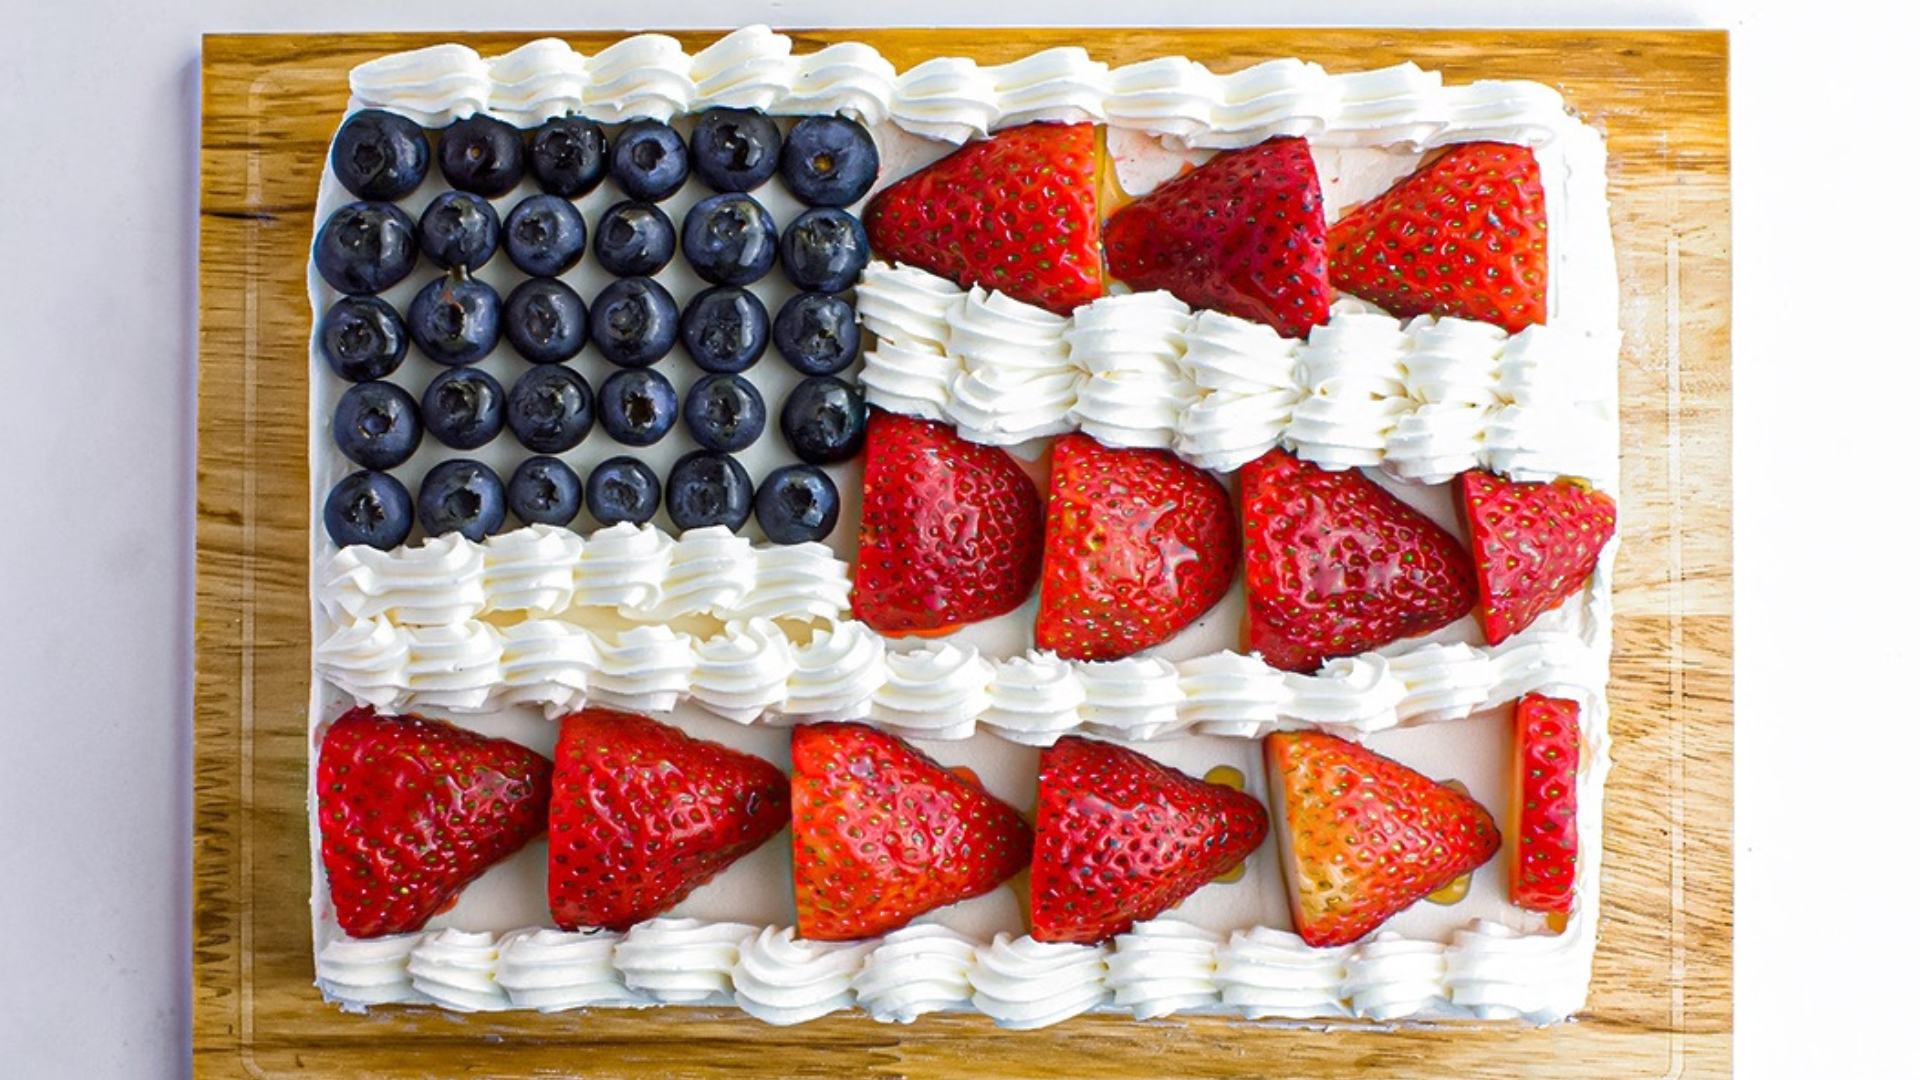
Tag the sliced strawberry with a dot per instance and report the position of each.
(644, 814)
(1534, 545)
(881, 833)
(1139, 544)
(1337, 566)
(1015, 212)
(1365, 836)
(412, 810)
(1546, 761)
(1465, 235)
(950, 531)
(1245, 233)
(1120, 838)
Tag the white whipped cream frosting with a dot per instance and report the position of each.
(552, 970)
(1266, 974)
(755, 672)
(1025, 984)
(918, 969)
(635, 574)
(934, 693)
(1423, 399)
(359, 972)
(682, 961)
(759, 669)
(836, 674)
(455, 969)
(1162, 967)
(953, 99)
(743, 672)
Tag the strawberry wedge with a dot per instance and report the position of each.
(1016, 212)
(1139, 544)
(413, 810)
(882, 833)
(1245, 234)
(1366, 837)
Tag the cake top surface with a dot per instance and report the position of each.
(713, 628)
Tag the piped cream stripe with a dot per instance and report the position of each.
(953, 99)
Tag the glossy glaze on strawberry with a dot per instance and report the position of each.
(1337, 566)
(1465, 235)
(1015, 212)
(1546, 834)
(1245, 234)
(1139, 544)
(1119, 838)
(950, 531)
(882, 833)
(1364, 836)
(412, 810)
(644, 814)
(1533, 545)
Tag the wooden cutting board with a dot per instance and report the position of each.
(1661, 1001)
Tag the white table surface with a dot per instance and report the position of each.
(99, 140)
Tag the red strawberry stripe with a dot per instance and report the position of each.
(1139, 544)
(1014, 212)
(644, 814)
(1534, 545)
(1465, 235)
(1546, 769)
(1245, 233)
(412, 810)
(882, 833)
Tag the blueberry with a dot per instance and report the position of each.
(707, 487)
(795, 504)
(546, 321)
(464, 408)
(459, 230)
(567, 156)
(380, 155)
(634, 239)
(724, 329)
(455, 319)
(365, 247)
(369, 508)
(482, 155)
(637, 406)
(649, 160)
(824, 250)
(362, 338)
(817, 333)
(463, 496)
(734, 149)
(544, 491)
(376, 425)
(829, 161)
(824, 420)
(633, 322)
(622, 489)
(725, 413)
(729, 239)
(545, 235)
(550, 409)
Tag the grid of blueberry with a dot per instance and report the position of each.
(459, 325)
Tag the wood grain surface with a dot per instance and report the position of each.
(1661, 1000)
